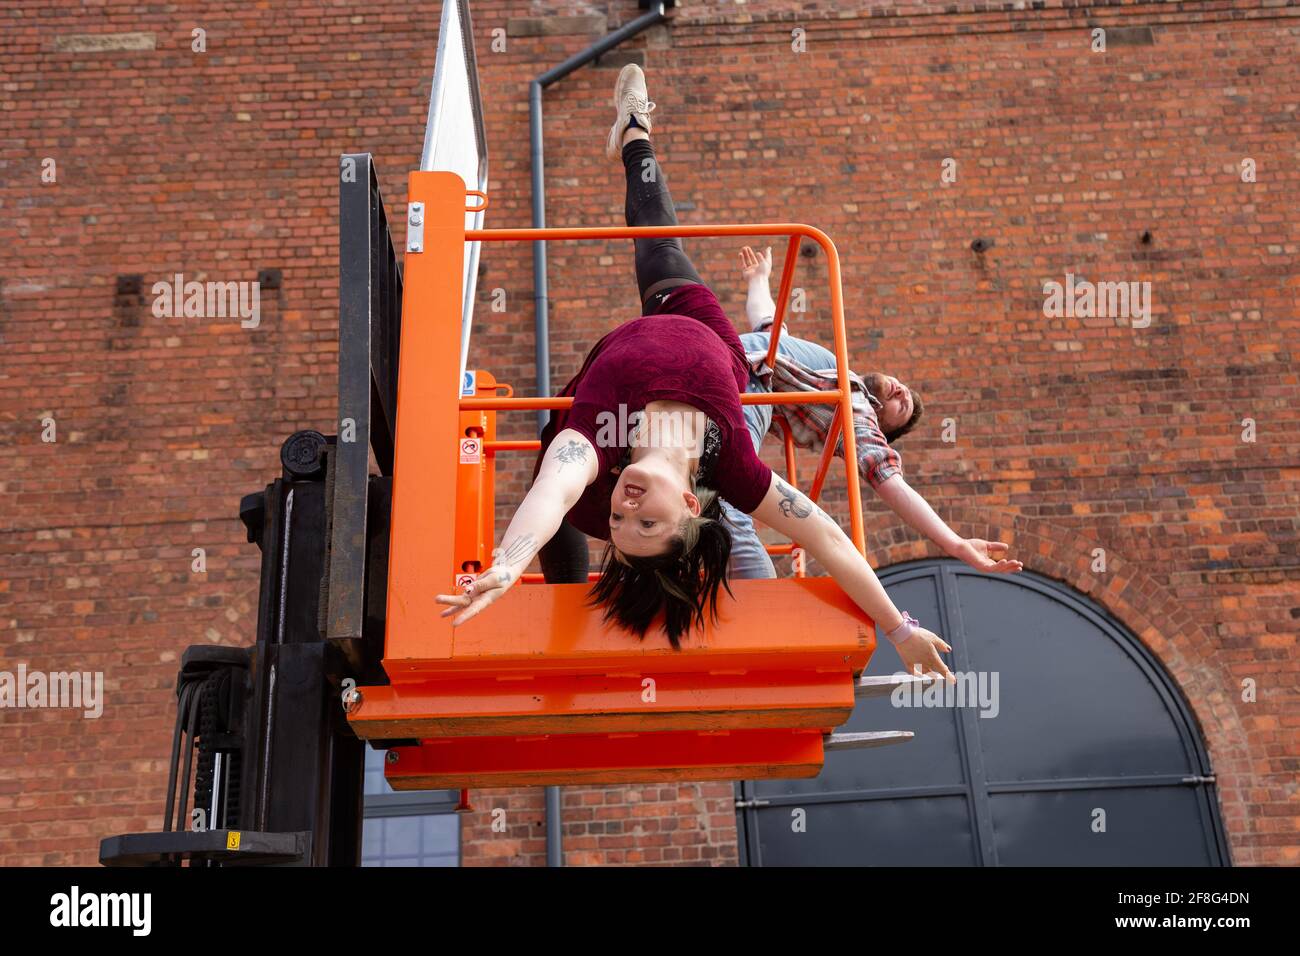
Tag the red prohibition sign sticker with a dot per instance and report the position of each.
(471, 450)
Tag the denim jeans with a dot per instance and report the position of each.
(749, 559)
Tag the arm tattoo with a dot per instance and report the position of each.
(795, 503)
(518, 551)
(572, 452)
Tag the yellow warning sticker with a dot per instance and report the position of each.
(232, 840)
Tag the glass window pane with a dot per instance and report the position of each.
(431, 839)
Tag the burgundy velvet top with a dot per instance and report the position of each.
(687, 351)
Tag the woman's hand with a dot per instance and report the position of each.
(989, 556)
(486, 589)
(567, 468)
(920, 654)
(492, 583)
(753, 266)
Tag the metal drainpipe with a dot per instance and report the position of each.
(541, 313)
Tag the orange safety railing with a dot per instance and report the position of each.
(841, 396)
(748, 696)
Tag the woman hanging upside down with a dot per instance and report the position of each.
(655, 495)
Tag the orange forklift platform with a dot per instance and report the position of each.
(536, 690)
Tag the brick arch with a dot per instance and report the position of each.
(1184, 646)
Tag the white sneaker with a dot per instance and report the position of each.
(630, 100)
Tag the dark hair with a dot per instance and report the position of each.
(917, 408)
(683, 582)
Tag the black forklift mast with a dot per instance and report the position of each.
(277, 774)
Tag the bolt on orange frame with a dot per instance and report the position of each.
(540, 661)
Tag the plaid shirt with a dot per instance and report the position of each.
(810, 424)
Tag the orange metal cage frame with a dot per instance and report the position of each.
(841, 396)
(763, 682)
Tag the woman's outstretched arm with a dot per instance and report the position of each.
(790, 512)
(568, 467)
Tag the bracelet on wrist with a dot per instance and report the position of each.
(901, 633)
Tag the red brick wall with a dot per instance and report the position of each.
(690, 823)
(1071, 434)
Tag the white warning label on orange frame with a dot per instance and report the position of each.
(471, 451)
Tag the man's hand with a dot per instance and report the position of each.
(920, 654)
(754, 266)
(986, 556)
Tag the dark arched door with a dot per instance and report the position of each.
(1067, 745)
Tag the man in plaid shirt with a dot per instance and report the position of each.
(884, 410)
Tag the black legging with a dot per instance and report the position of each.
(661, 264)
